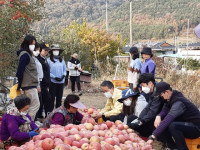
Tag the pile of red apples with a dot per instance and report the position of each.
(87, 136)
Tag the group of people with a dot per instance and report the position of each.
(42, 79)
(157, 112)
(154, 110)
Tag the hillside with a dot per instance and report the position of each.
(152, 19)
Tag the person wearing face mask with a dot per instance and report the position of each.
(44, 84)
(112, 107)
(66, 114)
(58, 71)
(36, 52)
(133, 104)
(144, 124)
(27, 73)
(148, 66)
(17, 127)
(74, 67)
(179, 119)
(134, 68)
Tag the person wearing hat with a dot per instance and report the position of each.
(112, 107)
(17, 127)
(57, 75)
(133, 104)
(144, 124)
(148, 66)
(27, 74)
(66, 114)
(134, 68)
(44, 84)
(179, 118)
(74, 67)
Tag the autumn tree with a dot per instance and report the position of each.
(15, 20)
(92, 44)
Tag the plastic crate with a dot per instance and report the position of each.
(120, 84)
(193, 144)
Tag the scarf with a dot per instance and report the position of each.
(12, 110)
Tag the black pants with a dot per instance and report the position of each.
(56, 91)
(46, 99)
(77, 80)
(145, 129)
(179, 131)
(39, 113)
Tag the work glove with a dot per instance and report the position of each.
(58, 79)
(32, 134)
(76, 68)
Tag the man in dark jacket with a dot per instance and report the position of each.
(179, 119)
(45, 81)
(145, 123)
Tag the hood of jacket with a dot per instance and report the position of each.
(74, 61)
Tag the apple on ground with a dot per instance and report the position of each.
(68, 140)
(76, 143)
(85, 146)
(47, 144)
(62, 147)
(88, 126)
(94, 146)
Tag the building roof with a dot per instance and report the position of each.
(162, 46)
(194, 45)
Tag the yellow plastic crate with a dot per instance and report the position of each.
(193, 144)
(120, 84)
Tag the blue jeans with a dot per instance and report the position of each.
(179, 131)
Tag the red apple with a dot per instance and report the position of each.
(120, 127)
(107, 147)
(109, 124)
(85, 146)
(88, 126)
(90, 111)
(62, 147)
(94, 146)
(117, 122)
(91, 120)
(47, 144)
(44, 136)
(76, 143)
(73, 131)
(11, 5)
(77, 137)
(94, 139)
(68, 140)
(110, 141)
(108, 134)
(36, 138)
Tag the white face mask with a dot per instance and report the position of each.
(32, 47)
(36, 53)
(23, 113)
(127, 102)
(108, 94)
(146, 89)
(55, 53)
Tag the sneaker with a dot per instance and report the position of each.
(80, 93)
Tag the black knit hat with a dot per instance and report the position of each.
(147, 50)
(160, 88)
